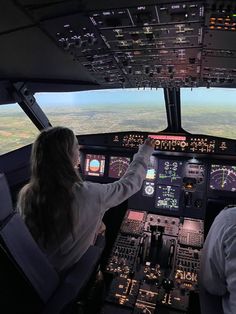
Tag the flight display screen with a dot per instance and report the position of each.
(170, 171)
(118, 166)
(167, 197)
(223, 178)
(151, 171)
(94, 165)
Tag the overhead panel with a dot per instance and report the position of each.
(219, 46)
(130, 43)
(77, 36)
(139, 46)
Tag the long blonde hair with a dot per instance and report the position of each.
(46, 201)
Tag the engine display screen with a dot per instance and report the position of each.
(94, 165)
(170, 171)
(223, 178)
(167, 197)
(118, 166)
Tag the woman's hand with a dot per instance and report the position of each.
(150, 142)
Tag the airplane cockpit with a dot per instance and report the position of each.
(117, 73)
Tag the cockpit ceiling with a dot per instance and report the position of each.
(99, 44)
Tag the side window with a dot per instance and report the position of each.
(16, 129)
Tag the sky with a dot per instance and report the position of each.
(196, 96)
(210, 96)
(101, 97)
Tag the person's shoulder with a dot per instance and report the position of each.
(228, 215)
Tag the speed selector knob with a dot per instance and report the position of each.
(183, 144)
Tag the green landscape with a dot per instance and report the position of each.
(16, 129)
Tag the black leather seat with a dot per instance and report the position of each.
(28, 282)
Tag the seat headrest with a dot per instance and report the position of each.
(6, 206)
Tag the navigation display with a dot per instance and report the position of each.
(170, 171)
(94, 165)
(223, 178)
(118, 166)
(151, 171)
(167, 197)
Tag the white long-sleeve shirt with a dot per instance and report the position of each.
(218, 266)
(91, 201)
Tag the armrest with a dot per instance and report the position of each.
(75, 281)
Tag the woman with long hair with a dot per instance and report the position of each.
(63, 212)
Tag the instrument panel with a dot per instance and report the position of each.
(155, 260)
(174, 184)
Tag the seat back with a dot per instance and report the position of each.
(28, 282)
(19, 250)
(6, 206)
(29, 258)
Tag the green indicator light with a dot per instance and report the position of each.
(234, 15)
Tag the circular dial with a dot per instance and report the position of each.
(223, 178)
(118, 166)
(149, 190)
